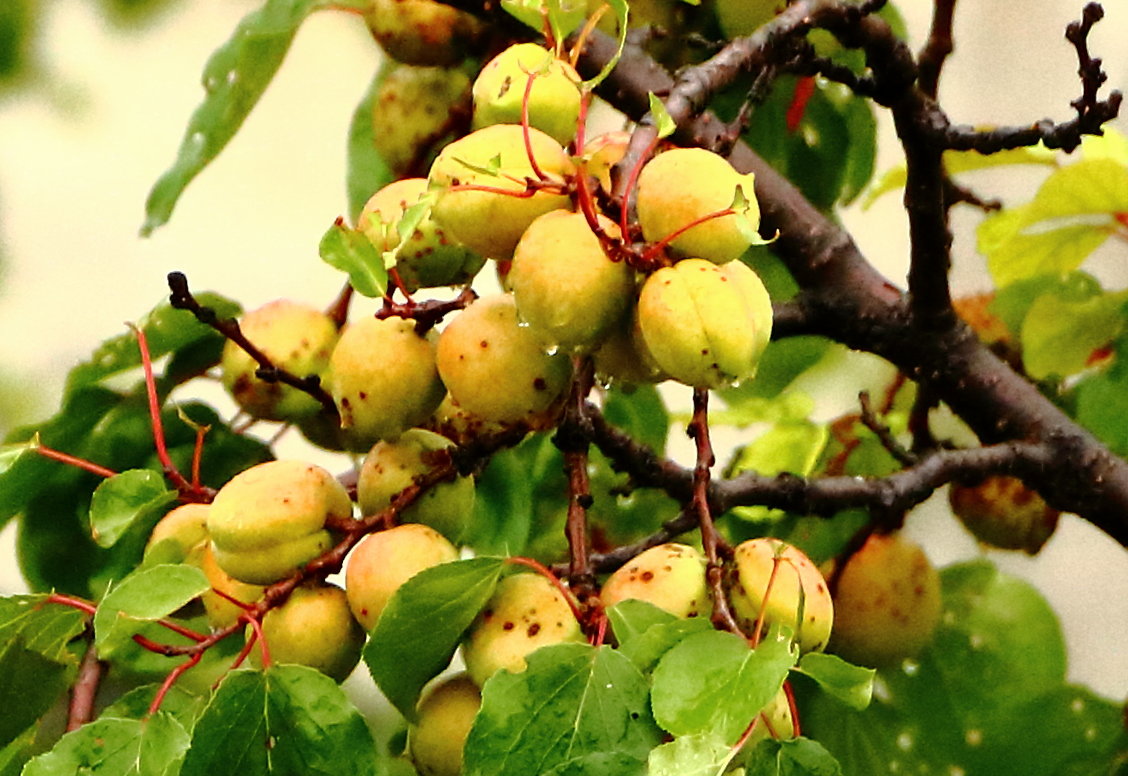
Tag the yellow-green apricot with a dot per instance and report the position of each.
(444, 716)
(384, 560)
(269, 520)
(526, 613)
(565, 286)
(455, 423)
(671, 576)
(774, 721)
(495, 158)
(295, 337)
(1003, 512)
(383, 378)
(886, 602)
(685, 185)
(706, 325)
(314, 628)
(624, 359)
(423, 32)
(602, 153)
(390, 467)
(809, 614)
(411, 114)
(220, 610)
(179, 533)
(497, 369)
(429, 257)
(554, 99)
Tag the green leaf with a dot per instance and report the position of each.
(621, 9)
(1059, 335)
(178, 702)
(505, 503)
(662, 118)
(15, 755)
(851, 684)
(350, 251)
(167, 330)
(601, 764)
(12, 453)
(564, 16)
(1013, 303)
(419, 631)
(30, 684)
(288, 720)
(234, 78)
(645, 633)
(572, 701)
(793, 447)
(713, 681)
(407, 224)
(42, 626)
(367, 172)
(641, 413)
(796, 757)
(1014, 254)
(705, 754)
(631, 618)
(144, 596)
(116, 747)
(1101, 403)
(120, 502)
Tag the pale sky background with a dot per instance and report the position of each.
(74, 174)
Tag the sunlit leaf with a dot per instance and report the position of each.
(116, 747)
(350, 251)
(851, 684)
(563, 16)
(1059, 335)
(147, 595)
(124, 500)
(795, 757)
(705, 754)
(662, 118)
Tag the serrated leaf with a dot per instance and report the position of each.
(288, 720)
(177, 702)
(795, 757)
(572, 701)
(564, 16)
(167, 330)
(350, 251)
(645, 633)
(1059, 335)
(419, 631)
(42, 626)
(367, 171)
(851, 684)
(713, 681)
(705, 754)
(124, 500)
(662, 118)
(144, 596)
(116, 747)
(234, 78)
(631, 618)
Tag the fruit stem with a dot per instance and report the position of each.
(632, 182)
(758, 628)
(711, 541)
(81, 463)
(525, 128)
(169, 680)
(653, 250)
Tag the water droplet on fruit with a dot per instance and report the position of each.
(973, 737)
(894, 766)
(552, 350)
(1090, 734)
(910, 667)
(955, 770)
(905, 741)
(1077, 705)
(976, 641)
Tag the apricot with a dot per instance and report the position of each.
(526, 612)
(423, 32)
(383, 378)
(295, 337)
(671, 576)
(497, 369)
(682, 186)
(563, 283)
(706, 325)
(1003, 512)
(269, 520)
(390, 467)
(484, 199)
(411, 114)
(554, 98)
(219, 609)
(886, 603)
(445, 715)
(380, 564)
(798, 596)
(314, 628)
(180, 532)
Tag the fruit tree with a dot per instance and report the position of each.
(577, 230)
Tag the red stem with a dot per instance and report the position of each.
(170, 469)
(81, 463)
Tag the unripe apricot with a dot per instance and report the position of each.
(623, 357)
(295, 337)
(411, 113)
(390, 467)
(563, 283)
(423, 32)
(384, 560)
(491, 221)
(445, 715)
(180, 532)
(454, 422)
(429, 257)
(554, 99)
(886, 603)
(684, 185)
(496, 368)
(774, 721)
(671, 576)
(314, 628)
(383, 379)
(1003, 512)
(220, 610)
(269, 520)
(798, 596)
(525, 613)
(706, 325)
